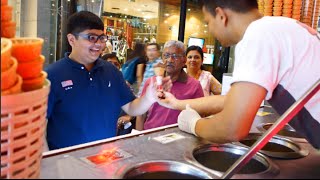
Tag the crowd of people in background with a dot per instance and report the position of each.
(93, 94)
(139, 68)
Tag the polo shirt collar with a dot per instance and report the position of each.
(183, 77)
(98, 63)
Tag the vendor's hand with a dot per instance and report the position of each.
(168, 101)
(187, 120)
(152, 94)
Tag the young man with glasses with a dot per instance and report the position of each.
(88, 93)
(276, 58)
(183, 87)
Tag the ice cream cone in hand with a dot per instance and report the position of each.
(159, 69)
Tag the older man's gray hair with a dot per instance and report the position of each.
(177, 44)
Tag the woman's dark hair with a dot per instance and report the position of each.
(82, 21)
(240, 6)
(139, 51)
(195, 48)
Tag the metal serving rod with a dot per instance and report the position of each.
(274, 129)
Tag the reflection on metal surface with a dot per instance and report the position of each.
(218, 158)
(162, 170)
(277, 147)
(287, 132)
(106, 156)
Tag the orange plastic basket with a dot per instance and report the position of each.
(15, 89)
(9, 77)
(31, 69)
(23, 123)
(4, 2)
(8, 29)
(6, 13)
(26, 48)
(6, 46)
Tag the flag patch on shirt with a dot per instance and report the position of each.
(66, 83)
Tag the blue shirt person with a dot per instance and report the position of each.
(88, 93)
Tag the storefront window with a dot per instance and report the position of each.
(197, 33)
(144, 21)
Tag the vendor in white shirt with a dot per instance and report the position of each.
(276, 58)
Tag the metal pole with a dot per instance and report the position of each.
(182, 23)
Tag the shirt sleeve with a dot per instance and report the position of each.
(51, 97)
(126, 95)
(199, 91)
(257, 61)
(146, 84)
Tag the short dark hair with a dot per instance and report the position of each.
(240, 6)
(110, 56)
(82, 21)
(195, 48)
(154, 44)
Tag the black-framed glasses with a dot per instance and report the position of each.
(94, 38)
(174, 56)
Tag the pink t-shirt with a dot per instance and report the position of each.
(161, 116)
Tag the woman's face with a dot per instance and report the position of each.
(194, 60)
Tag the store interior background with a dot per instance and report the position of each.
(126, 21)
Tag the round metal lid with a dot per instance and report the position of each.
(218, 158)
(162, 169)
(277, 147)
(286, 132)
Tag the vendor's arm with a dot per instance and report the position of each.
(205, 106)
(234, 122)
(141, 105)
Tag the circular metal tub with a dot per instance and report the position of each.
(162, 170)
(277, 147)
(286, 132)
(218, 158)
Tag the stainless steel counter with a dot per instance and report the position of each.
(70, 163)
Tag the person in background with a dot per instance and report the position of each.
(108, 48)
(132, 74)
(123, 117)
(183, 87)
(88, 93)
(153, 56)
(272, 57)
(210, 84)
(113, 59)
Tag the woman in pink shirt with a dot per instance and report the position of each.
(210, 84)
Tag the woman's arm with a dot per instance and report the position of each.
(215, 86)
(140, 122)
(139, 74)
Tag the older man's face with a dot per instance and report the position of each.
(174, 59)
